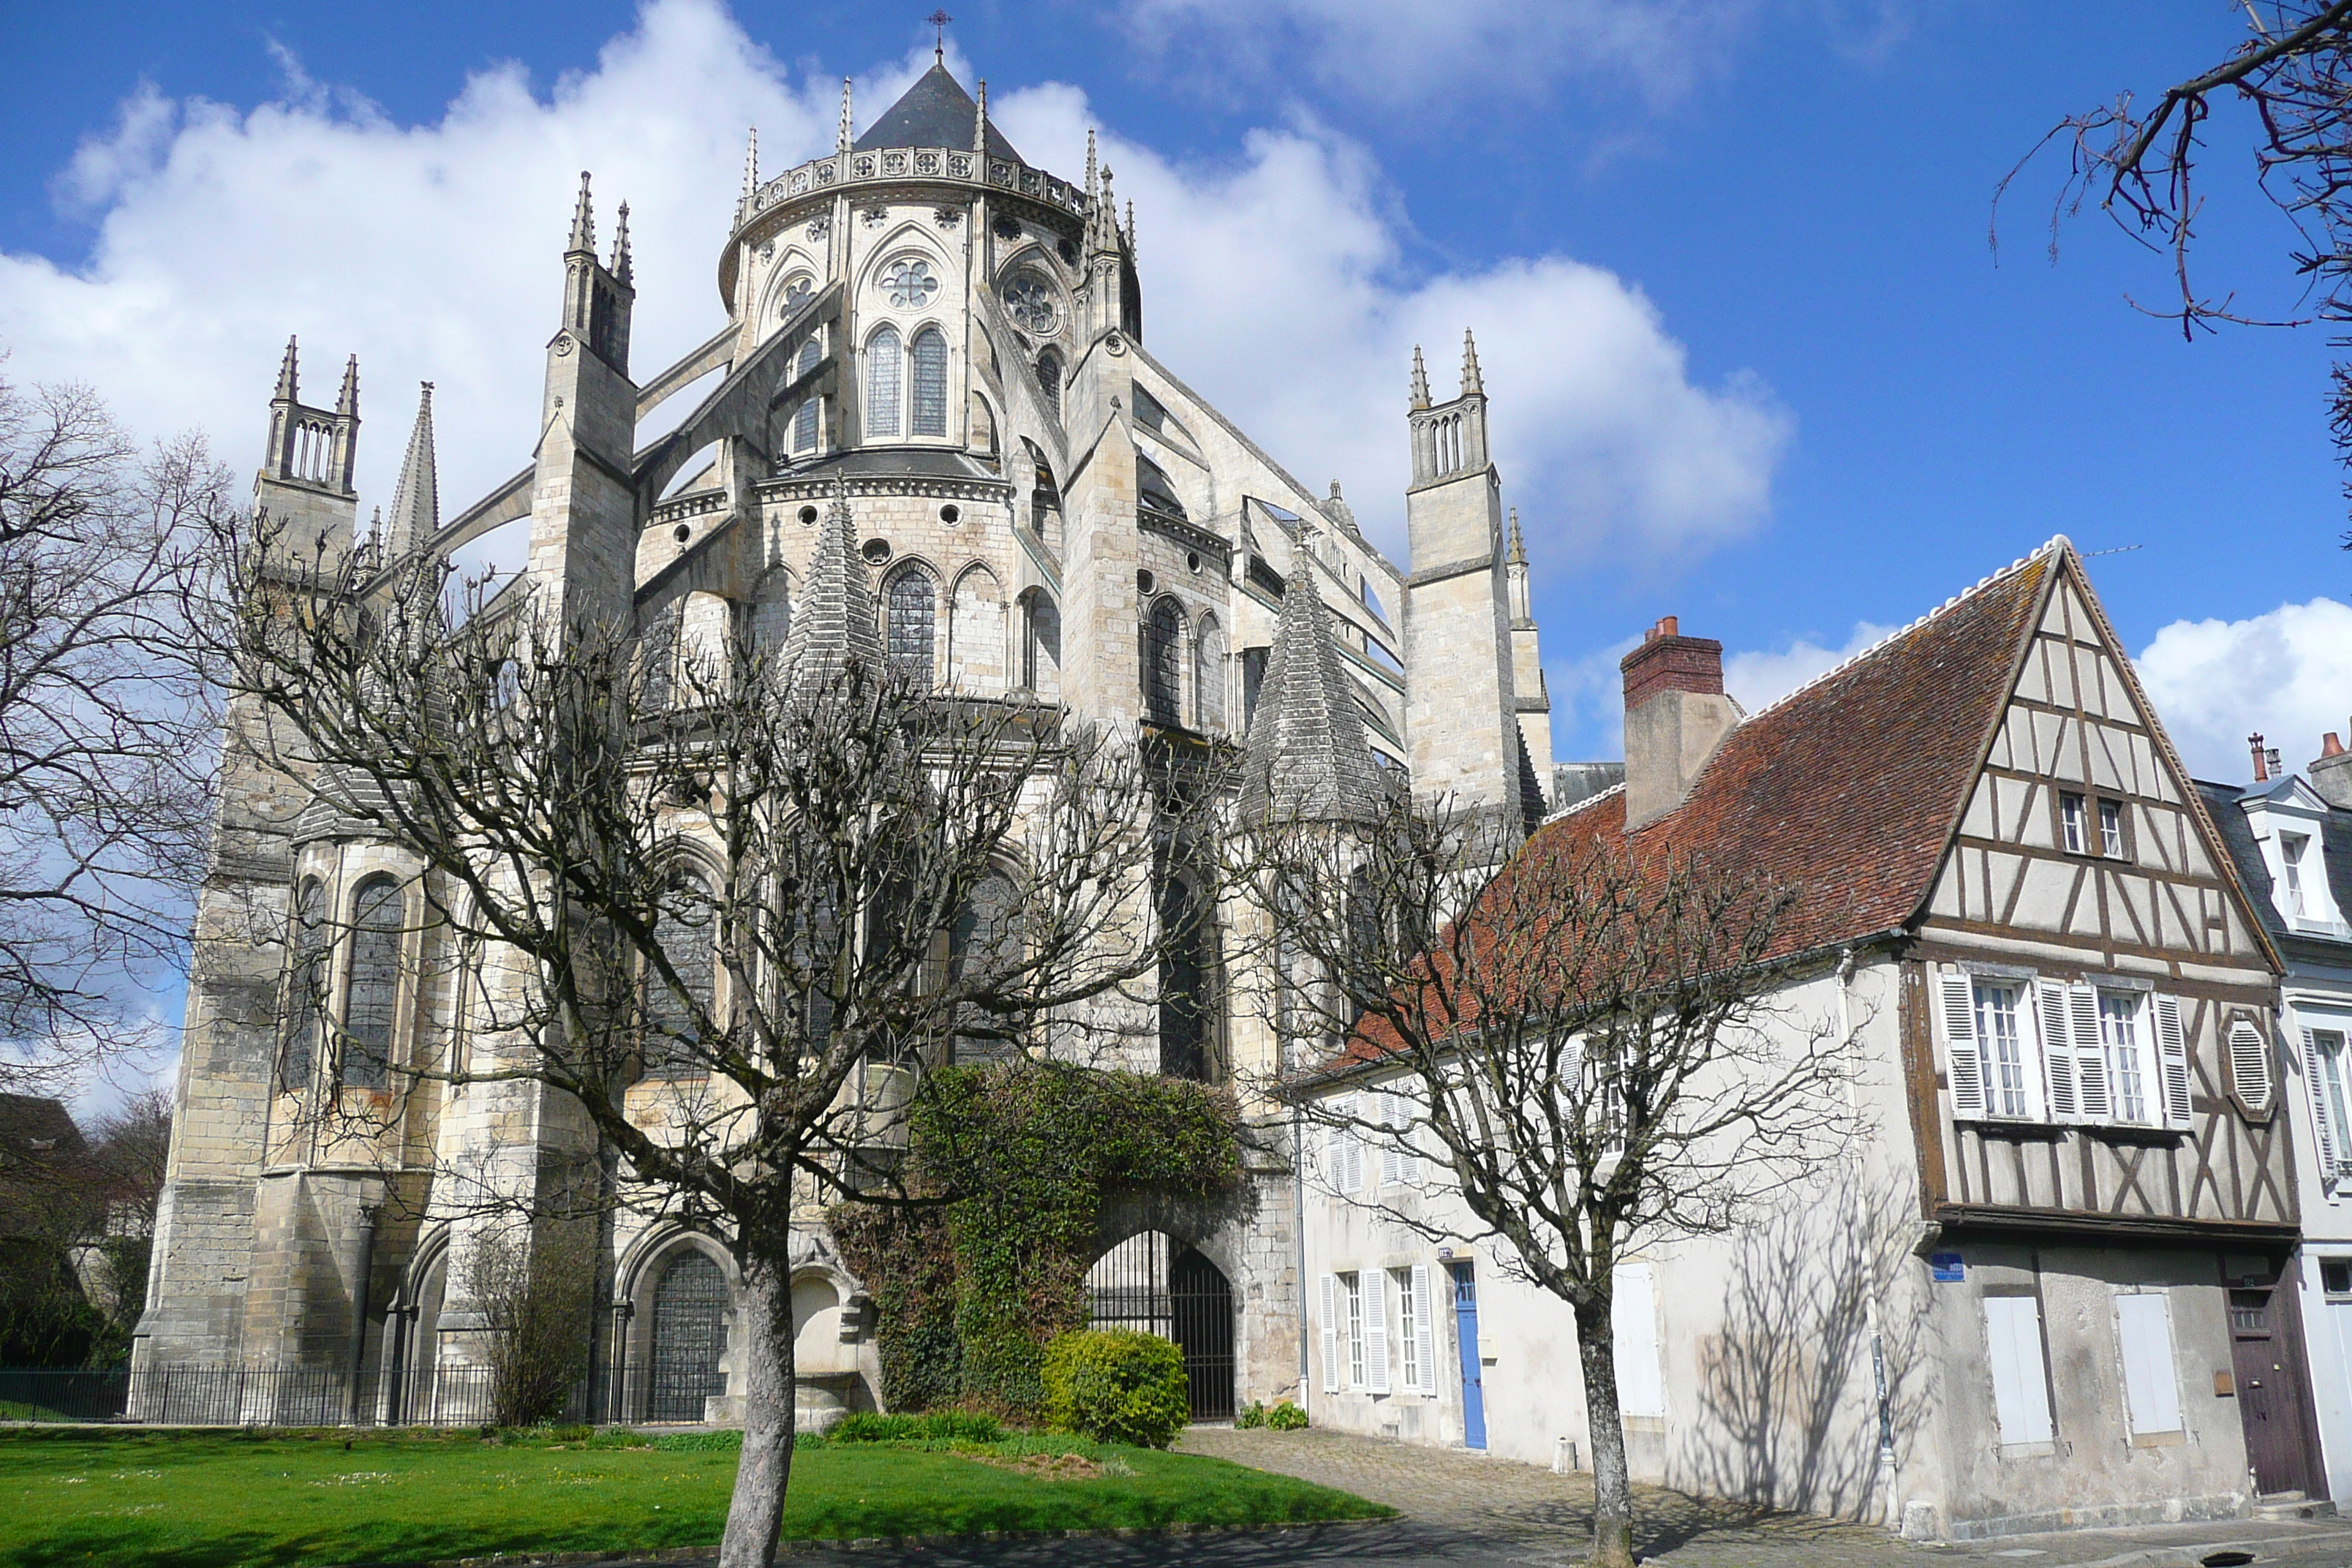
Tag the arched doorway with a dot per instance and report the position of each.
(1155, 1284)
(689, 1337)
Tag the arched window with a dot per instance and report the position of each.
(372, 994)
(912, 607)
(982, 947)
(928, 406)
(882, 376)
(689, 1337)
(1186, 964)
(1163, 668)
(305, 988)
(1209, 666)
(804, 422)
(1049, 382)
(657, 659)
(683, 926)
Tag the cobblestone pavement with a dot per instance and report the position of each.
(1495, 1510)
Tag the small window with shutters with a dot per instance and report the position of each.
(2172, 1062)
(2249, 1065)
(2326, 1072)
(2131, 1079)
(1351, 1303)
(1994, 1063)
(1408, 1342)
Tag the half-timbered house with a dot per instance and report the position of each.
(2039, 1293)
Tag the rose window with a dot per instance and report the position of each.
(910, 284)
(1032, 306)
(796, 294)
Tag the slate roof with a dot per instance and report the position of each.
(2222, 802)
(934, 113)
(1307, 759)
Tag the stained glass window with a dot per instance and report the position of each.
(1031, 305)
(804, 422)
(1163, 643)
(882, 382)
(372, 997)
(913, 629)
(929, 412)
(910, 284)
(796, 294)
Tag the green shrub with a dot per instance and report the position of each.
(700, 1442)
(939, 1427)
(1286, 1417)
(1249, 1416)
(1115, 1387)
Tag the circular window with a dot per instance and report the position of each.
(1069, 252)
(808, 515)
(910, 284)
(1145, 582)
(877, 551)
(681, 534)
(1031, 305)
(1193, 560)
(796, 294)
(1008, 228)
(951, 514)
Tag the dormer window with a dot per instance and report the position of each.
(2090, 826)
(2290, 849)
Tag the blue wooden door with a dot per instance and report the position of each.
(1466, 1323)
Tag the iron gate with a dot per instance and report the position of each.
(1155, 1285)
(689, 1336)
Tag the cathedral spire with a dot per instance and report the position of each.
(842, 145)
(1307, 759)
(584, 221)
(1420, 380)
(416, 499)
(287, 375)
(347, 401)
(1093, 196)
(619, 268)
(834, 623)
(1470, 380)
(752, 167)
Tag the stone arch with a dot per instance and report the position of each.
(1163, 648)
(1155, 1280)
(976, 639)
(672, 1371)
(794, 262)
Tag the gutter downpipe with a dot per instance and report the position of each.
(1859, 1223)
(1298, 1225)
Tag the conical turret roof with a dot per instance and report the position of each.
(1307, 759)
(934, 113)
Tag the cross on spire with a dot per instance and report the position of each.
(939, 21)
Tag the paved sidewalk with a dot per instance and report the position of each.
(1500, 1509)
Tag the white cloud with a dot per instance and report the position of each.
(1757, 679)
(2286, 674)
(1272, 282)
(1470, 52)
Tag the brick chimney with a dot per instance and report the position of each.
(2331, 775)
(1675, 716)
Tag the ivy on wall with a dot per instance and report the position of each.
(1019, 1161)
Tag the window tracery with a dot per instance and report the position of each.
(927, 412)
(372, 995)
(912, 607)
(1030, 304)
(882, 376)
(910, 284)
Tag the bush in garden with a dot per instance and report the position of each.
(1115, 1387)
(1286, 1417)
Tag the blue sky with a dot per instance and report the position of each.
(1754, 362)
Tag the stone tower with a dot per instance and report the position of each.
(1462, 708)
(1526, 661)
(305, 483)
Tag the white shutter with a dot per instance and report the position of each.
(2323, 1133)
(1391, 1152)
(1424, 1332)
(2093, 1086)
(1330, 1335)
(2055, 1032)
(2151, 1383)
(2172, 1061)
(1964, 1063)
(1376, 1330)
(1634, 1324)
(1347, 1158)
(2020, 1391)
(2250, 1064)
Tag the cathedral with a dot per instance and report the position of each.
(928, 328)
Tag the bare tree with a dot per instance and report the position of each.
(725, 904)
(2138, 161)
(535, 1289)
(107, 726)
(1585, 1044)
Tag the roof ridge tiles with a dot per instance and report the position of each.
(1565, 812)
(1963, 597)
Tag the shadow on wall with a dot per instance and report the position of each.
(1789, 1389)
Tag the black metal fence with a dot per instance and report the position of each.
(1156, 1285)
(331, 1396)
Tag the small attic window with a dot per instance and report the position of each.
(2291, 850)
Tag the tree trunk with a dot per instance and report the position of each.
(1612, 1487)
(757, 1509)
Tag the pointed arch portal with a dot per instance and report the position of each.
(1155, 1284)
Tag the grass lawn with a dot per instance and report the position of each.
(212, 1498)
